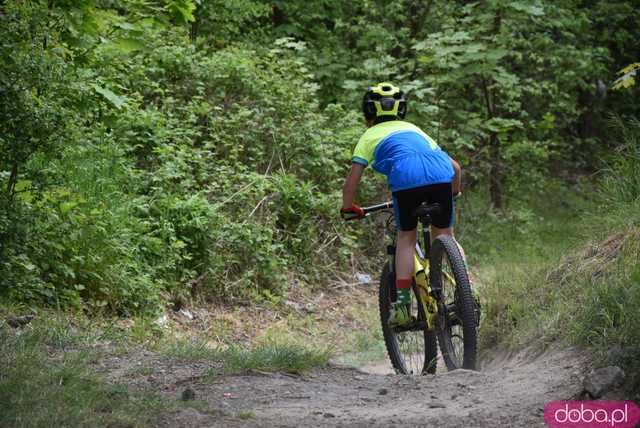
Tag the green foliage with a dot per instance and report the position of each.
(627, 79)
(162, 191)
(571, 272)
(156, 151)
(607, 321)
(34, 93)
(621, 180)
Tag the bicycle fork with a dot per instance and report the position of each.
(425, 297)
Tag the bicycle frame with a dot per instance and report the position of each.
(443, 302)
(421, 278)
(424, 292)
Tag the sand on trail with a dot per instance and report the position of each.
(509, 391)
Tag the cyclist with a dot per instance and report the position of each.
(417, 171)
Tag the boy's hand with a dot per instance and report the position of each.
(352, 212)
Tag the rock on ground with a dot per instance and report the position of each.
(603, 380)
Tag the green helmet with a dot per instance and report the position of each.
(384, 100)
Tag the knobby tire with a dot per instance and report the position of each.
(462, 317)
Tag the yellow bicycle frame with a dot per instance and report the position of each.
(428, 302)
(426, 299)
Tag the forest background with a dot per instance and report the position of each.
(159, 152)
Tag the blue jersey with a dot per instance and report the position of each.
(405, 154)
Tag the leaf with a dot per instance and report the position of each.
(22, 185)
(114, 99)
(526, 7)
(125, 26)
(352, 85)
(627, 80)
(421, 45)
(129, 45)
(22, 190)
(496, 54)
(624, 82)
(499, 124)
(65, 207)
(182, 9)
(629, 68)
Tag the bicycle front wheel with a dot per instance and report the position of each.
(412, 349)
(456, 327)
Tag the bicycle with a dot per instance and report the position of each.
(442, 302)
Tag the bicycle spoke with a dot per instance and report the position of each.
(411, 343)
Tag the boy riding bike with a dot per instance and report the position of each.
(417, 171)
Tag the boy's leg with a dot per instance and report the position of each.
(404, 268)
(435, 232)
(405, 245)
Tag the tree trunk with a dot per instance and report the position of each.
(13, 178)
(496, 170)
(193, 32)
(278, 17)
(418, 11)
(496, 174)
(198, 16)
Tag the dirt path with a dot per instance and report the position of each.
(510, 391)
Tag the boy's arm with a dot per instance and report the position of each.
(350, 186)
(457, 178)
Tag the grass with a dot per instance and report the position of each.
(46, 371)
(245, 415)
(604, 314)
(266, 355)
(45, 379)
(366, 345)
(509, 257)
(561, 268)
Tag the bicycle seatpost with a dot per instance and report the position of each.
(426, 236)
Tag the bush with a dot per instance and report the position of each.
(217, 176)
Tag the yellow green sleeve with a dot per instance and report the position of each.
(363, 153)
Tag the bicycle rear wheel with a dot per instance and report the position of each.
(457, 332)
(414, 350)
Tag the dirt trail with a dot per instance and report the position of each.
(509, 391)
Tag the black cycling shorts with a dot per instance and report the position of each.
(406, 201)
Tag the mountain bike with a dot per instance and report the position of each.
(442, 302)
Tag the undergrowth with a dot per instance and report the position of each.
(566, 268)
(45, 380)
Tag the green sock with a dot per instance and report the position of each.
(403, 286)
(404, 296)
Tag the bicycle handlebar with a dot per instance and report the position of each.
(378, 207)
(368, 211)
(383, 206)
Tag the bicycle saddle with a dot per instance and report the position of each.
(425, 210)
